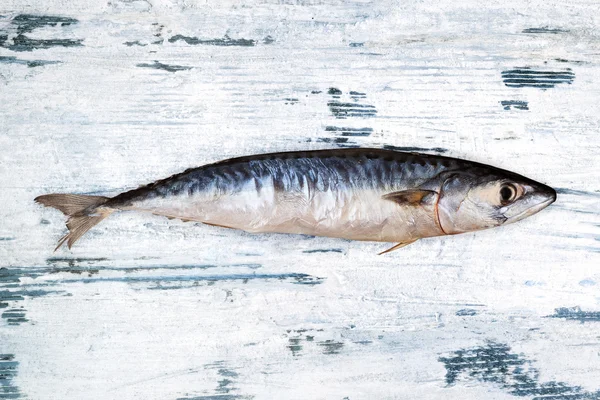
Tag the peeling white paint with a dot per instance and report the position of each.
(231, 308)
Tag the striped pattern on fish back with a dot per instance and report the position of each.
(321, 170)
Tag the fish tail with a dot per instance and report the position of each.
(83, 213)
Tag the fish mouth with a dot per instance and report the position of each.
(534, 209)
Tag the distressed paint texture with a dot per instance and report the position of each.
(100, 97)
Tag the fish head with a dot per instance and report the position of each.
(481, 198)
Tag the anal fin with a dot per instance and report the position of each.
(398, 246)
(217, 225)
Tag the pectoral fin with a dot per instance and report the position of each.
(398, 246)
(411, 197)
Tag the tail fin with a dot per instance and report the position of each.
(83, 212)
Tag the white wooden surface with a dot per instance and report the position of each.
(146, 308)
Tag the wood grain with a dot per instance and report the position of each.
(100, 97)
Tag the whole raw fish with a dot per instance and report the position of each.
(359, 194)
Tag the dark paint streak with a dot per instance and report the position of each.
(357, 44)
(323, 251)
(135, 43)
(15, 316)
(333, 140)
(350, 131)
(299, 336)
(218, 397)
(73, 261)
(76, 269)
(562, 60)
(494, 363)
(516, 104)
(527, 77)
(413, 149)
(466, 312)
(295, 278)
(295, 346)
(331, 347)
(165, 67)
(575, 314)
(225, 41)
(8, 371)
(23, 43)
(544, 29)
(224, 385)
(344, 110)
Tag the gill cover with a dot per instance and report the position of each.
(482, 198)
(466, 204)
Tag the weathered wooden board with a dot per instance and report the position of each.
(100, 97)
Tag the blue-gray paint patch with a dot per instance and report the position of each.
(576, 314)
(224, 385)
(295, 346)
(298, 338)
(224, 41)
(331, 347)
(164, 67)
(27, 22)
(12, 292)
(587, 282)
(8, 371)
(135, 43)
(356, 44)
(356, 96)
(417, 149)
(495, 363)
(466, 312)
(514, 104)
(544, 29)
(541, 79)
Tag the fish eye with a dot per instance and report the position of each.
(508, 193)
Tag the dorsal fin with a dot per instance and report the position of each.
(413, 197)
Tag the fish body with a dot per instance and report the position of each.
(357, 194)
